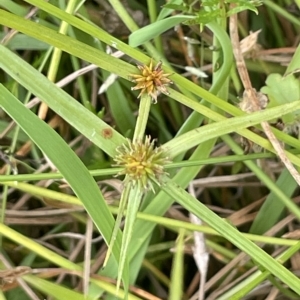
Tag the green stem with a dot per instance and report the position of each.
(122, 206)
(142, 119)
(134, 201)
(156, 54)
(53, 67)
(153, 15)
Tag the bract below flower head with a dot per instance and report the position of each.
(143, 163)
(151, 81)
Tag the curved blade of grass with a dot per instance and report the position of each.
(67, 163)
(151, 31)
(219, 77)
(231, 234)
(239, 8)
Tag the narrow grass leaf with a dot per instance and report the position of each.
(53, 289)
(176, 286)
(165, 12)
(59, 101)
(67, 163)
(232, 235)
(134, 201)
(268, 182)
(68, 44)
(120, 108)
(243, 288)
(153, 30)
(198, 135)
(272, 206)
(24, 42)
(14, 7)
(43, 192)
(122, 207)
(40, 250)
(294, 65)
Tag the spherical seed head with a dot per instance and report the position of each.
(151, 81)
(143, 163)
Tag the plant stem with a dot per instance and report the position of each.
(142, 119)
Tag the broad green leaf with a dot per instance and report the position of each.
(281, 90)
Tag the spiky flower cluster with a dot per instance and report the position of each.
(143, 163)
(151, 81)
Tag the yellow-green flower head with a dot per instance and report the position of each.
(151, 81)
(143, 163)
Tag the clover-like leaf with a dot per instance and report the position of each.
(282, 90)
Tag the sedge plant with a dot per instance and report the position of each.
(154, 174)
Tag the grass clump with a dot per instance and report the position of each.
(63, 143)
